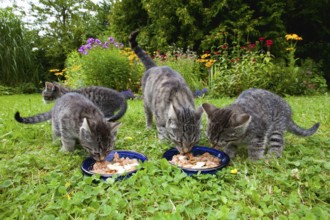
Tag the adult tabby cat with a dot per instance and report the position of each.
(167, 97)
(108, 100)
(258, 119)
(74, 117)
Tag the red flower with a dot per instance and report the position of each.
(261, 39)
(251, 46)
(225, 46)
(269, 43)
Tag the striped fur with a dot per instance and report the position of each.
(167, 97)
(74, 117)
(257, 119)
(112, 103)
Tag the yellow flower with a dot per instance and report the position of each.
(59, 74)
(205, 55)
(209, 63)
(292, 37)
(68, 196)
(54, 70)
(234, 171)
(289, 48)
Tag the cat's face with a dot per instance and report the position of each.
(224, 126)
(99, 139)
(184, 127)
(50, 92)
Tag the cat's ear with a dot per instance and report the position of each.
(114, 127)
(241, 120)
(49, 86)
(209, 108)
(172, 118)
(85, 126)
(171, 112)
(199, 112)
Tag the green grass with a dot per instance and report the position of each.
(40, 182)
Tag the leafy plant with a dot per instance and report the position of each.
(104, 64)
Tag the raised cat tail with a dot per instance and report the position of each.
(122, 110)
(34, 119)
(295, 129)
(144, 57)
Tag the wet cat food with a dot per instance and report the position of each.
(203, 161)
(116, 166)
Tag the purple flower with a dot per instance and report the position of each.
(88, 46)
(90, 40)
(98, 42)
(200, 93)
(121, 45)
(106, 44)
(205, 90)
(82, 50)
(111, 40)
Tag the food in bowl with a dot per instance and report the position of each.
(202, 161)
(118, 165)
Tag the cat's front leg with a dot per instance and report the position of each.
(148, 115)
(230, 150)
(68, 144)
(161, 129)
(256, 149)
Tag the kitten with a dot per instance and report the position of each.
(257, 118)
(167, 97)
(74, 117)
(108, 100)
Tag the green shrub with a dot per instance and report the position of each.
(185, 64)
(103, 64)
(6, 90)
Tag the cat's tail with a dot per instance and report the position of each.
(121, 112)
(295, 129)
(144, 57)
(34, 119)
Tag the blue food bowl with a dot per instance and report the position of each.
(198, 150)
(87, 164)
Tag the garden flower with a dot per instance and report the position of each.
(98, 42)
(252, 46)
(224, 46)
(261, 39)
(90, 40)
(234, 171)
(292, 37)
(111, 40)
(106, 44)
(269, 43)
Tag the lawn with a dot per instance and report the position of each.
(40, 182)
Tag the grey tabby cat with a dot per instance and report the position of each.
(108, 100)
(74, 117)
(258, 119)
(167, 97)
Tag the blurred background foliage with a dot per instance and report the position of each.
(30, 49)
